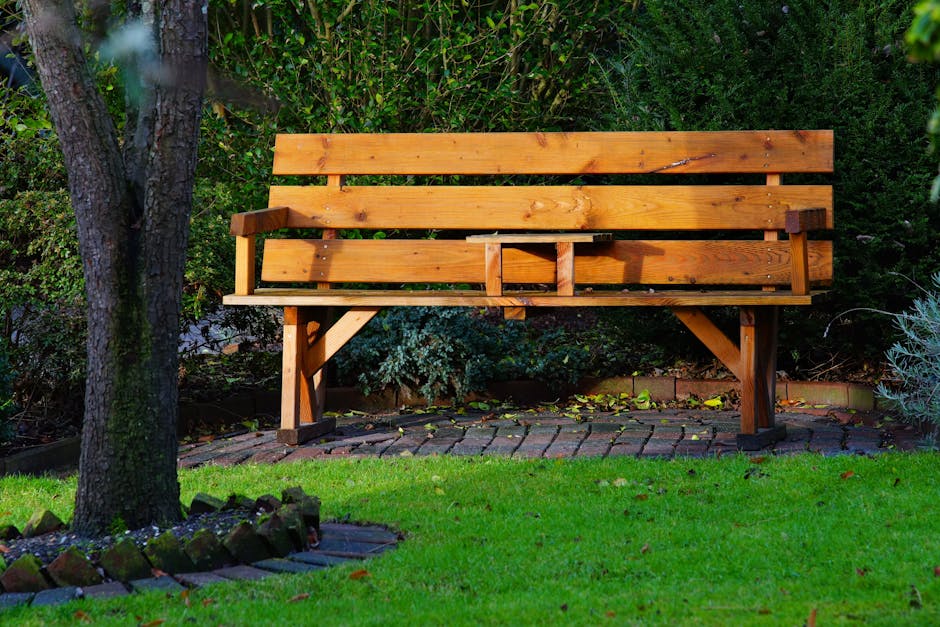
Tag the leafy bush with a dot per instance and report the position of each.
(446, 353)
(915, 360)
(7, 405)
(42, 298)
(805, 64)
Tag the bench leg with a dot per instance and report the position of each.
(758, 378)
(302, 391)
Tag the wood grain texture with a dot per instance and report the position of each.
(799, 261)
(261, 221)
(711, 336)
(244, 264)
(813, 219)
(287, 297)
(493, 268)
(563, 208)
(555, 153)
(564, 268)
(540, 238)
(627, 262)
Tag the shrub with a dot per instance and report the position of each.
(915, 360)
(42, 298)
(805, 64)
(7, 406)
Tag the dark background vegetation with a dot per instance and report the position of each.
(377, 66)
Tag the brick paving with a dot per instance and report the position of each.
(521, 435)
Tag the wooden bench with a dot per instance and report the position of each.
(581, 240)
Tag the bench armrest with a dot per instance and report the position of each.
(244, 227)
(798, 222)
(261, 221)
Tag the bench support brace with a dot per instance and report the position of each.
(753, 361)
(308, 346)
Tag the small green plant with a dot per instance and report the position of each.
(915, 358)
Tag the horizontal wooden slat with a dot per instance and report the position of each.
(648, 262)
(555, 153)
(540, 238)
(609, 207)
(470, 298)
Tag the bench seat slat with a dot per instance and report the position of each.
(650, 262)
(566, 208)
(555, 153)
(475, 298)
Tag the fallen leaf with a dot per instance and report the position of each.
(916, 601)
(154, 623)
(811, 621)
(185, 596)
(760, 459)
(82, 616)
(641, 497)
(156, 572)
(714, 403)
(4, 548)
(358, 574)
(611, 614)
(936, 571)
(861, 572)
(207, 602)
(299, 597)
(847, 474)
(646, 548)
(564, 607)
(763, 611)
(620, 482)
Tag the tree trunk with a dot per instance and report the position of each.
(132, 209)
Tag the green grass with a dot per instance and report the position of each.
(583, 542)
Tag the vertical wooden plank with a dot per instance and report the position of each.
(514, 313)
(772, 235)
(333, 180)
(494, 269)
(767, 319)
(799, 263)
(748, 370)
(292, 367)
(565, 268)
(244, 265)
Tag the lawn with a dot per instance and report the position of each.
(620, 541)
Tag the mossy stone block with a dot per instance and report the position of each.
(267, 503)
(125, 562)
(238, 501)
(9, 532)
(309, 505)
(245, 545)
(72, 568)
(42, 522)
(166, 553)
(294, 520)
(275, 532)
(205, 504)
(24, 575)
(206, 551)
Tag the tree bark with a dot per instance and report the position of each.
(132, 207)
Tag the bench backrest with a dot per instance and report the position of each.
(757, 209)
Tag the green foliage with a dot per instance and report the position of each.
(41, 296)
(446, 353)
(7, 406)
(805, 64)
(915, 359)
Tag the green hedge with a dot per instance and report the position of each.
(805, 64)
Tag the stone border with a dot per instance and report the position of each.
(340, 543)
(286, 537)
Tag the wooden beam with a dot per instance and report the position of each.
(261, 221)
(758, 384)
(623, 262)
(564, 268)
(799, 263)
(772, 235)
(280, 297)
(296, 401)
(244, 264)
(809, 219)
(548, 208)
(672, 152)
(493, 268)
(712, 337)
(328, 343)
